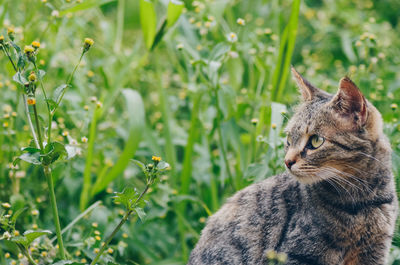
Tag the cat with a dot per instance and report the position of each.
(336, 203)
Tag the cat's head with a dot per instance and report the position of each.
(331, 135)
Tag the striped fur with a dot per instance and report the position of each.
(336, 205)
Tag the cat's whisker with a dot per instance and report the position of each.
(372, 157)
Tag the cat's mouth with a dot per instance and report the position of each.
(305, 173)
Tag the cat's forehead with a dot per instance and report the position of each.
(308, 118)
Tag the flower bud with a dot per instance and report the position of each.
(32, 77)
(31, 101)
(87, 44)
(36, 45)
(1, 39)
(10, 33)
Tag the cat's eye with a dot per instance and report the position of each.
(288, 140)
(316, 141)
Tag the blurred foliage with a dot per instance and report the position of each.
(211, 98)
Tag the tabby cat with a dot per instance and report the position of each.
(335, 205)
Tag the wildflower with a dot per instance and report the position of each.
(267, 31)
(77, 253)
(90, 74)
(110, 250)
(358, 43)
(7, 255)
(179, 46)
(10, 33)
(97, 232)
(44, 1)
(55, 13)
(125, 235)
(84, 139)
(273, 126)
(202, 220)
(232, 37)
(6, 235)
(65, 133)
(29, 50)
(87, 44)
(42, 62)
(6, 205)
(207, 24)
(86, 107)
(96, 250)
(156, 158)
(1, 39)
(109, 190)
(35, 45)
(374, 60)
(35, 212)
(31, 101)
(6, 116)
(233, 54)
(254, 121)
(32, 77)
(150, 166)
(192, 20)
(44, 254)
(99, 104)
(83, 260)
(241, 21)
(95, 225)
(16, 233)
(20, 256)
(393, 106)
(98, 238)
(14, 114)
(35, 226)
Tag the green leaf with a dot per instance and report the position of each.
(17, 214)
(16, 47)
(174, 11)
(140, 212)
(162, 166)
(135, 107)
(139, 164)
(19, 78)
(41, 74)
(148, 21)
(127, 197)
(21, 61)
(85, 5)
(29, 236)
(30, 157)
(69, 262)
(54, 151)
(58, 92)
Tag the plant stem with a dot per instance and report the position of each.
(221, 142)
(26, 254)
(49, 178)
(118, 227)
(38, 128)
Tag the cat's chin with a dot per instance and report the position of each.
(303, 177)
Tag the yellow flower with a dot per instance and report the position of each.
(31, 101)
(1, 39)
(110, 250)
(88, 43)
(273, 126)
(95, 225)
(32, 77)
(393, 106)
(36, 44)
(77, 253)
(156, 158)
(44, 254)
(84, 139)
(125, 235)
(6, 205)
(254, 121)
(7, 255)
(35, 212)
(241, 21)
(10, 30)
(35, 226)
(96, 250)
(98, 238)
(29, 49)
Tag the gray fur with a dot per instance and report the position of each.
(337, 205)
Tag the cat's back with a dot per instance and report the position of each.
(250, 222)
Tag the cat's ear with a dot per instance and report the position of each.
(308, 91)
(350, 102)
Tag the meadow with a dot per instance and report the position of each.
(125, 124)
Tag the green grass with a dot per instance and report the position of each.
(184, 92)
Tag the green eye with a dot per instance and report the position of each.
(316, 141)
(289, 140)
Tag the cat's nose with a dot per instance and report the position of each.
(289, 163)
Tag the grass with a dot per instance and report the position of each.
(212, 106)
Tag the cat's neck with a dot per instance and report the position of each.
(369, 186)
